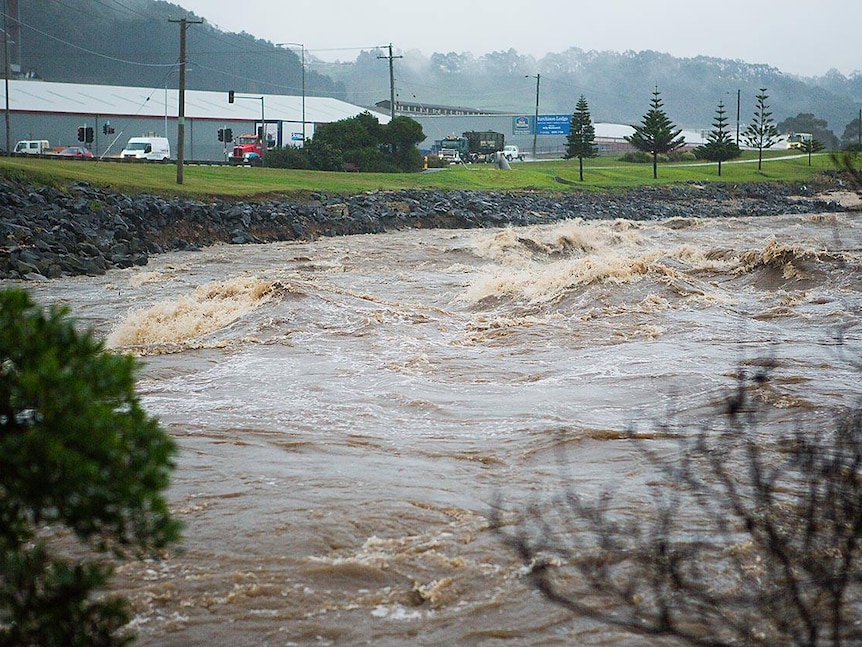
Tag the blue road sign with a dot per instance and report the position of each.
(548, 125)
(554, 125)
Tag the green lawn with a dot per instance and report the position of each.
(600, 174)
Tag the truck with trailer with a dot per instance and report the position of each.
(470, 146)
(247, 150)
(452, 148)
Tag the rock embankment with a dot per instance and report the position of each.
(46, 232)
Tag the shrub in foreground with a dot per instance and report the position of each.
(83, 470)
(744, 539)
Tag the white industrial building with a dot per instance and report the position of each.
(55, 111)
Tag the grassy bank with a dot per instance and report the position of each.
(600, 174)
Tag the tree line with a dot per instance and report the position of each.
(359, 143)
(657, 135)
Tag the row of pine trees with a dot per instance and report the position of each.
(657, 135)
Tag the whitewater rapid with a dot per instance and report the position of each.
(347, 409)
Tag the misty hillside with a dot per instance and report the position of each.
(133, 43)
(618, 86)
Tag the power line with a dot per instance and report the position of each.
(126, 7)
(196, 65)
(84, 49)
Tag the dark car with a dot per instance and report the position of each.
(75, 151)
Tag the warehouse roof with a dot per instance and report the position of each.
(115, 100)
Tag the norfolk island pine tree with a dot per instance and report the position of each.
(582, 136)
(656, 135)
(761, 132)
(719, 145)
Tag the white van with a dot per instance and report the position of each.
(32, 147)
(147, 148)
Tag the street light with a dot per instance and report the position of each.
(302, 48)
(6, 75)
(538, 78)
(738, 93)
(167, 78)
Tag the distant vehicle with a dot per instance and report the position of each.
(512, 152)
(147, 148)
(799, 140)
(32, 147)
(471, 146)
(75, 151)
(252, 158)
(452, 148)
(245, 144)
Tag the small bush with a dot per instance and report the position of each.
(637, 157)
(435, 161)
(682, 156)
(290, 157)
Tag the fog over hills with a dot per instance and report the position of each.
(618, 85)
(133, 43)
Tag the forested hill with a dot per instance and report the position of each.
(134, 43)
(618, 86)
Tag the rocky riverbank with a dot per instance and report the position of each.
(46, 232)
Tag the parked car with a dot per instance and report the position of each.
(75, 151)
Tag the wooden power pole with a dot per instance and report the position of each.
(391, 81)
(181, 111)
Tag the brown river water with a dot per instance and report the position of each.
(347, 409)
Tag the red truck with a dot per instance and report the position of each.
(247, 150)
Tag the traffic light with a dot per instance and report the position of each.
(221, 134)
(80, 133)
(230, 96)
(228, 135)
(88, 134)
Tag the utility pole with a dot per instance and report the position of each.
(7, 72)
(181, 111)
(391, 81)
(538, 78)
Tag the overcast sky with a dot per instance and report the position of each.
(796, 36)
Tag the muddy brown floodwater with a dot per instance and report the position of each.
(347, 409)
